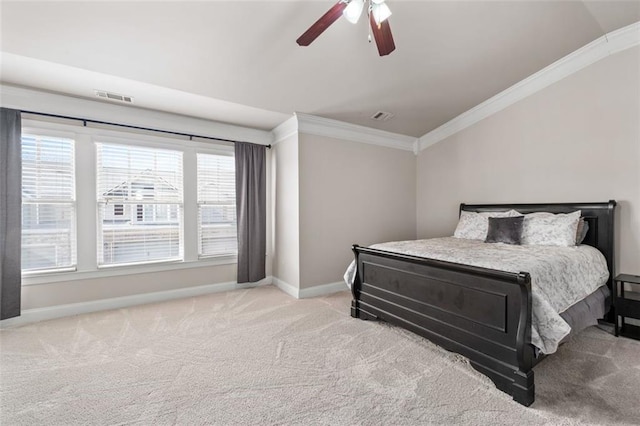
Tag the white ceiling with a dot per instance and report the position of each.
(237, 61)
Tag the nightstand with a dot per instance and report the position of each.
(627, 304)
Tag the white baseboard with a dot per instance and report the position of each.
(52, 312)
(315, 291)
(322, 290)
(286, 287)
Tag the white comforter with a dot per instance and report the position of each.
(560, 276)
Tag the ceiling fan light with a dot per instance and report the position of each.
(353, 11)
(381, 12)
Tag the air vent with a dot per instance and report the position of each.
(114, 96)
(382, 116)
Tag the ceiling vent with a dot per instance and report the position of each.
(382, 116)
(114, 97)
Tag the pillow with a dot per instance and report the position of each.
(583, 228)
(506, 230)
(548, 229)
(474, 226)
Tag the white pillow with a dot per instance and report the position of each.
(474, 226)
(548, 229)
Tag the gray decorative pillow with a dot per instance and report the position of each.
(548, 229)
(474, 226)
(506, 230)
(583, 228)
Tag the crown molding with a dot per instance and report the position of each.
(624, 38)
(609, 44)
(285, 130)
(319, 126)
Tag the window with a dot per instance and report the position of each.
(48, 203)
(140, 204)
(217, 234)
(100, 203)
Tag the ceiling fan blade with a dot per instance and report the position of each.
(322, 24)
(382, 34)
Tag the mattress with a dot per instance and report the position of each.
(560, 276)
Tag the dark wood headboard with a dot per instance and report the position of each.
(600, 216)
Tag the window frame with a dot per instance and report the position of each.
(86, 197)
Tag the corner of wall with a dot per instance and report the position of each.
(286, 230)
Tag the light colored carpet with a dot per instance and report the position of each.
(258, 356)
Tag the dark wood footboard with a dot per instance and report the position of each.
(482, 314)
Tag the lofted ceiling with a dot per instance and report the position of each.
(237, 61)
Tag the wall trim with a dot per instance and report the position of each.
(320, 126)
(608, 44)
(322, 290)
(305, 293)
(285, 130)
(286, 287)
(51, 312)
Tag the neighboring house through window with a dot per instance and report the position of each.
(144, 186)
(217, 227)
(48, 203)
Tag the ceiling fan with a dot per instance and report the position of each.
(378, 12)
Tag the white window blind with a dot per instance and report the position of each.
(48, 203)
(217, 229)
(140, 204)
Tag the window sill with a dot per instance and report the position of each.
(114, 271)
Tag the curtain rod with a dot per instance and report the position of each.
(129, 126)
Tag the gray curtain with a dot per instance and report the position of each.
(251, 210)
(10, 212)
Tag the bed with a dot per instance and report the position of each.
(481, 313)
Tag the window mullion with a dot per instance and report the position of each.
(190, 206)
(85, 196)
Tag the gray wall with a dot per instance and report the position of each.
(350, 192)
(576, 140)
(331, 193)
(91, 289)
